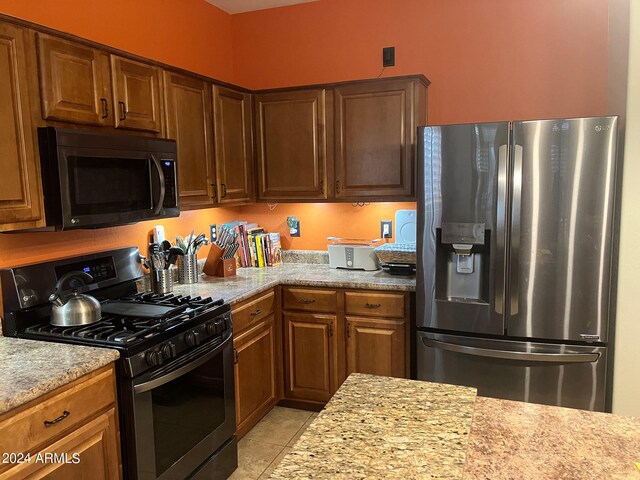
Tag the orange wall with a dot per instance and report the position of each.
(487, 59)
(321, 220)
(189, 34)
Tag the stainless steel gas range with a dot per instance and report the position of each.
(175, 372)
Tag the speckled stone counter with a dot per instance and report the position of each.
(516, 440)
(380, 427)
(30, 369)
(250, 281)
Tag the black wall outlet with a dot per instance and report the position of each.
(388, 56)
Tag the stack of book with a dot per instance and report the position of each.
(256, 248)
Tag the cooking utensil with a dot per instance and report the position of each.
(166, 245)
(75, 309)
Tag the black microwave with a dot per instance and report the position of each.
(93, 180)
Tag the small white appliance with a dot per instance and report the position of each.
(353, 254)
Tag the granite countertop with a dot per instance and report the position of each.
(381, 427)
(30, 369)
(513, 440)
(250, 281)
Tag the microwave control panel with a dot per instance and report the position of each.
(171, 188)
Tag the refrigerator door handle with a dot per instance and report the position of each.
(501, 214)
(511, 355)
(514, 290)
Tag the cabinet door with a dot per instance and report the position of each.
(234, 145)
(310, 356)
(136, 94)
(291, 145)
(255, 374)
(74, 82)
(188, 103)
(91, 451)
(376, 346)
(375, 136)
(20, 198)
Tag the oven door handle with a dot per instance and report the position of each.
(178, 372)
(156, 163)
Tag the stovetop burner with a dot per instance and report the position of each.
(122, 330)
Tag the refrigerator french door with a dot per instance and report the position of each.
(514, 269)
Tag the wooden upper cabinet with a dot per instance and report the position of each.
(188, 112)
(136, 95)
(20, 199)
(233, 145)
(375, 138)
(291, 138)
(74, 82)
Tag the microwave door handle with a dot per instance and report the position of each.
(156, 163)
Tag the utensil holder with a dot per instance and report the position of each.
(213, 259)
(161, 281)
(188, 268)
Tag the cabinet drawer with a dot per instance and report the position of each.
(310, 300)
(27, 430)
(374, 304)
(253, 312)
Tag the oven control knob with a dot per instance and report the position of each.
(192, 338)
(168, 350)
(211, 328)
(153, 358)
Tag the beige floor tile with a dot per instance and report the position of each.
(279, 426)
(253, 458)
(302, 430)
(274, 464)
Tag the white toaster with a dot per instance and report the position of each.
(352, 254)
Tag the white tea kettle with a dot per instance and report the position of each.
(75, 309)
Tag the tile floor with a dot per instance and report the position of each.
(261, 450)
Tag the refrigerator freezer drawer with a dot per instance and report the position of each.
(552, 374)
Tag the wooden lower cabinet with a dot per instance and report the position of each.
(255, 374)
(311, 356)
(363, 331)
(376, 346)
(83, 443)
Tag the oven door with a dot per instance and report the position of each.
(103, 187)
(183, 417)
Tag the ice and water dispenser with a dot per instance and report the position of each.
(463, 251)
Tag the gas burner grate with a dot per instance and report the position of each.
(125, 330)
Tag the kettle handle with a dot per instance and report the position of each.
(56, 296)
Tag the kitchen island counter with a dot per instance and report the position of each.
(30, 368)
(381, 427)
(251, 281)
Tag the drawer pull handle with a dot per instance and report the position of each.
(64, 415)
(257, 312)
(372, 305)
(306, 301)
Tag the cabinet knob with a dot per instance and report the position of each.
(257, 312)
(224, 189)
(306, 301)
(372, 305)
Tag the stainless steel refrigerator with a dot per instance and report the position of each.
(514, 274)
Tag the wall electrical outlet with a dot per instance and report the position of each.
(385, 229)
(213, 232)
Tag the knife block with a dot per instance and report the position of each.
(226, 267)
(213, 259)
(216, 266)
